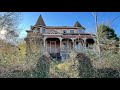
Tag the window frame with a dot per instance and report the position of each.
(65, 31)
(80, 31)
(35, 30)
(43, 30)
(72, 32)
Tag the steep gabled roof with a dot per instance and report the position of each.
(40, 21)
(77, 24)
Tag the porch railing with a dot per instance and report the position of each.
(53, 50)
(68, 50)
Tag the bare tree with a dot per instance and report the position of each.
(9, 23)
(96, 31)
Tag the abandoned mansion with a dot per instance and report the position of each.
(58, 40)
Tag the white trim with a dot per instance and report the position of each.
(44, 39)
(52, 34)
(72, 30)
(46, 44)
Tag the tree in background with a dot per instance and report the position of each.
(108, 32)
(9, 23)
(107, 37)
(104, 34)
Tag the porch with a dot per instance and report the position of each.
(60, 47)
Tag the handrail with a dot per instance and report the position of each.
(68, 50)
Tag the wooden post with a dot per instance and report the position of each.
(84, 44)
(60, 43)
(67, 44)
(44, 39)
(73, 43)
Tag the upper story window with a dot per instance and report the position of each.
(35, 31)
(71, 31)
(43, 30)
(80, 31)
(64, 31)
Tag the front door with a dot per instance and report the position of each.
(52, 46)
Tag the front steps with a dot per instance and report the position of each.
(59, 56)
(56, 56)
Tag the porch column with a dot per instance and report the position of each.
(84, 44)
(60, 42)
(44, 39)
(73, 43)
(67, 44)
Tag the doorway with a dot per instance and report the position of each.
(52, 46)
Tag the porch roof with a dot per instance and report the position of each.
(70, 36)
(61, 27)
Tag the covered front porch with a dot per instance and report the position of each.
(59, 47)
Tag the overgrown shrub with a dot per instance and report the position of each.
(14, 64)
(78, 66)
(42, 68)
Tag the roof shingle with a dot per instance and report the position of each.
(77, 24)
(40, 21)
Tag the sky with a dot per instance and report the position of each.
(86, 19)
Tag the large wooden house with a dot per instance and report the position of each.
(58, 40)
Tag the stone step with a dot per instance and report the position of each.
(56, 55)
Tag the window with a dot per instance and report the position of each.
(35, 31)
(64, 31)
(71, 31)
(79, 31)
(43, 30)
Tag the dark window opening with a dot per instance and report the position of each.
(64, 31)
(71, 31)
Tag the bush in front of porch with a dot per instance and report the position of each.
(78, 66)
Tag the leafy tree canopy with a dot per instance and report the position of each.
(105, 31)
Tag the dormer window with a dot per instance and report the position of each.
(35, 31)
(43, 30)
(64, 31)
(71, 31)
